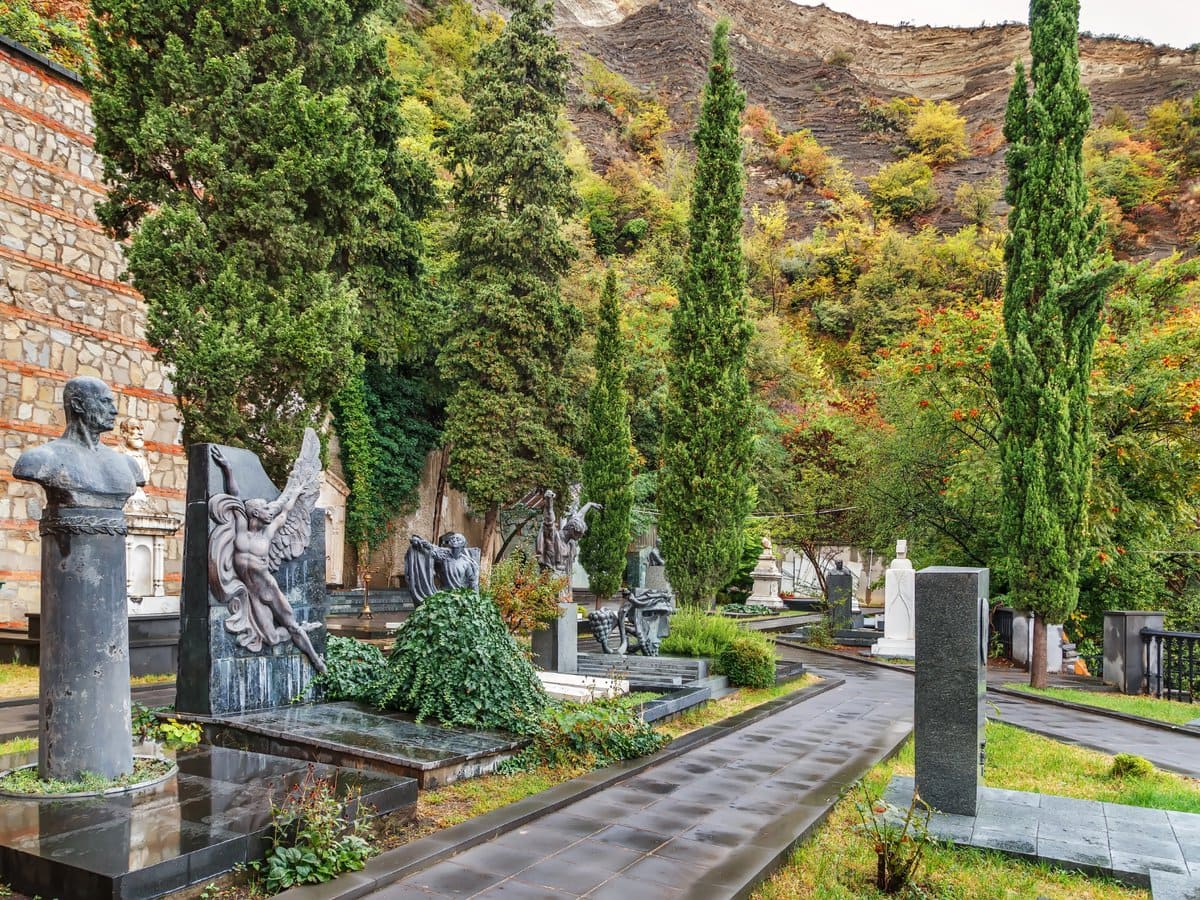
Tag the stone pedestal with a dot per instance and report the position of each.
(556, 647)
(839, 595)
(767, 579)
(899, 608)
(656, 578)
(1022, 643)
(950, 684)
(635, 568)
(1124, 650)
(84, 684)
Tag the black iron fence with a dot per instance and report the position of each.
(1172, 664)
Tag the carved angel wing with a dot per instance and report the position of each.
(303, 487)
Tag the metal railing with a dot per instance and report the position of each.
(1172, 664)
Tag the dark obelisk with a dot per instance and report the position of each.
(84, 721)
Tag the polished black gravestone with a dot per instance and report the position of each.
(214, 814)
(950, 684)
(351, 735)
(839, 594)
(218, 676)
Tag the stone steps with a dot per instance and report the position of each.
(648, 671)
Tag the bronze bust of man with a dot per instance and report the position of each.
(76, 470)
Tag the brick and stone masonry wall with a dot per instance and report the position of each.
(63, 310)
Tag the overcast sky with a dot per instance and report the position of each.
(1174, 22)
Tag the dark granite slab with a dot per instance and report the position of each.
(1131, 844)
(214, 814)
(349, 734)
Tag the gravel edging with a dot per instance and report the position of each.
(393, 865)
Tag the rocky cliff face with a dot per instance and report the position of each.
(814, 68)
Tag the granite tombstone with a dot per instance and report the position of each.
(252, 623)
(84, 721)
(950, 684)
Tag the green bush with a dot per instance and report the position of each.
(312, 841)
(590, 734)
(455, 661)
(696, 633)
(352, 670)
(1131, 765)
(749, 661)
(903, 188)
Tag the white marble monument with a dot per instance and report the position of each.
(333, 500)
(899, 608)
(145, 543)
(767, 578)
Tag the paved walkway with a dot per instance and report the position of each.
(709, 823)
(1176, 751)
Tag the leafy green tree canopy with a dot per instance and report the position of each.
(608, 454)
(705, 485)
(252, 153)
(509, 419)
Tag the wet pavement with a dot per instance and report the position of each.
(708, 823)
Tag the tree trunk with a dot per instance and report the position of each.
(1037, 661)
(491, 521)
(439, 495)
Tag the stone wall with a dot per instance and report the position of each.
(64, 311)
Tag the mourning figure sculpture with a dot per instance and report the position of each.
(250, 540)
(453, 563)
(85, 634)
(558, 540)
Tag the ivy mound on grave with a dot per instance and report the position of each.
(148, 771)
(454, 661)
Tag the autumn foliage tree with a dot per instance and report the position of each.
(705, 485)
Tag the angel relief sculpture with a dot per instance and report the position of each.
(251, 538)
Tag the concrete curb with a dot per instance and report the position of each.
(135, 689)
(393, 865)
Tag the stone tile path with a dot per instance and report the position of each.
(1124, 842)
(709, 823)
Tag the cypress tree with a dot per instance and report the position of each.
(705, 486)
(252, 152)
(509, 420)
(1052, 298)
(608, 459)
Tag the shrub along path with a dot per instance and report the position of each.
(710, 822)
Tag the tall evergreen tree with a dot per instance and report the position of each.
(608, 454)
(1052, 302)
(252, 153)
(705, 486)
(509, 419)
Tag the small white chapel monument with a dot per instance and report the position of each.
(899, 608)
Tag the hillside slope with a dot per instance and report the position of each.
(815, 68)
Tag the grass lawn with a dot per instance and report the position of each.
(1148, 707)
(838, 864)
(17, 680)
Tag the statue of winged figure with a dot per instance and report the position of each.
(250, 540)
